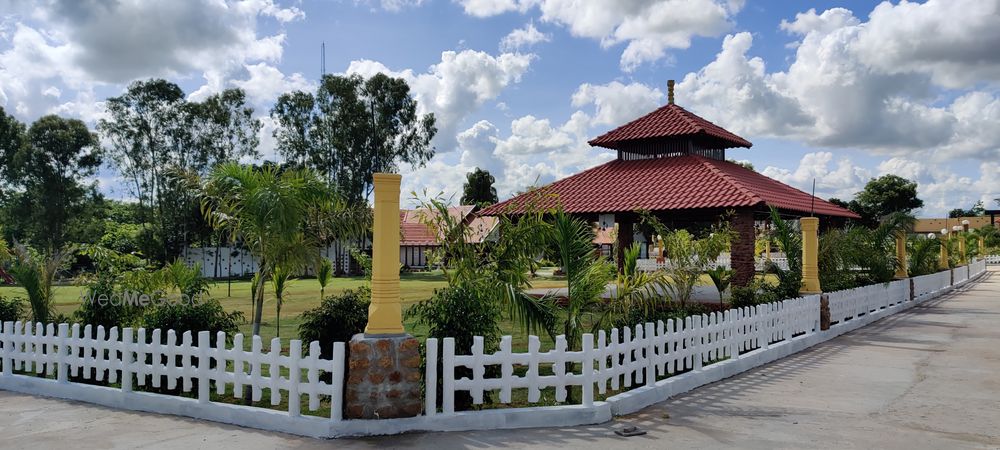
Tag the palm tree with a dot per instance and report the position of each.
(636, 290)
(721, 278)
(279, 281)
(35, 274)
(324, 272)
(923, 256)
(587, 275)
(874, 249)
(267, 209)
(789, 241)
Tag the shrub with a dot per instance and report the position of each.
(11, 309)
(336, 319)
(92, 312)
(663, 311)
(461, 312)
(206, 315)
(757, 292)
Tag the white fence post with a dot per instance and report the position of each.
(337, 400)
(7, 335)
(126, 349)
(430, 377)
(650, 336)
(294, 377)
(506, 369)
(587, 369)
(448, 376)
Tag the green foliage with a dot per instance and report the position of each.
(157, 140)
(500, 268)
(36, 273)
(587, 276)
(873, 250)
(978, 209)
(758, 292)
(789, 241)
(11, 309)
(886, 195)
(122, 237)
(324, 273)
(478, 189)
(206, 315)
(352, 128)
(267, 210)
(662, 312)
(721, 278)
(337, 319)
(279, 281)
(48, 165)
(186, 280)
(922, 255)
(637, 291)
(689, 256)
(835, 267)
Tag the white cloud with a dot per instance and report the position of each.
(617, 103)
(266, 83)
(648, 27)
(399, 5)
(841, 179)
(455, 87)
(522, 38)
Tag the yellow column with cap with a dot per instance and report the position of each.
(982, 247)
(943, 262)
(961, 248)
(810, 252)
(385, 314)
(901, 256)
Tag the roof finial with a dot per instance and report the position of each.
(670, 92)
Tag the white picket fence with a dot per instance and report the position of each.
(724, 260)
(992, 259)
(640, 365)
(625, 356)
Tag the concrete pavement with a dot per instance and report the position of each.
(925, 378)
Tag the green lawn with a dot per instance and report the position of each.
(300, 295)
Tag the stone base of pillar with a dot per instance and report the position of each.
(383, 378)
(824, 312)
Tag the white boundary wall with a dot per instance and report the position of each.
(724, 260)
(657, 360)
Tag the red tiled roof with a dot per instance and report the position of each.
(671, 121)
(416, 232)
(681, 182)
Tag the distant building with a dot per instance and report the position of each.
(419, 236)
(923, 226)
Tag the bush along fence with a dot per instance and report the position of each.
(629, 368)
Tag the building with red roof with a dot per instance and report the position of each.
(672, 163)
(418, 235)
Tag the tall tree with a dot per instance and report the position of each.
(478, 188)
(50, 166)
(352, 128)
(886, 195)
(157, 139)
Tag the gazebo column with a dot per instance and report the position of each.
(625, 235)
(742, 249)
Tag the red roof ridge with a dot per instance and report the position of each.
(712, 165)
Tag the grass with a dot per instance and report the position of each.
(300, 295)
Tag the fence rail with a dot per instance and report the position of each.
(760, 263)
(629, 368)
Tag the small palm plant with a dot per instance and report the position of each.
(721, 278)
(279, 281)
(35, 273)
(587, 275)
(324, 273)
(635, 290)
(923, 256)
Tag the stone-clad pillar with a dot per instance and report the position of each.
(383, 379)
(742, 249)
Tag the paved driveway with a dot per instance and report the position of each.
(925, 378)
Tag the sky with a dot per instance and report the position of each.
(836, 91)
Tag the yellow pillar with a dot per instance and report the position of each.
(961, 248)
(385, 314)
(943, 262)
(810, 251)
(901, 256)
(982, 248)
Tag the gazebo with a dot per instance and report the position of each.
(673, 164)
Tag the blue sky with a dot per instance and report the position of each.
(836, 91)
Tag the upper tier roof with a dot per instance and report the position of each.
(671, 121)
(682, 182)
